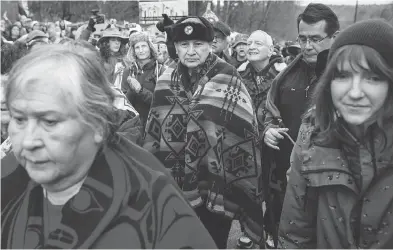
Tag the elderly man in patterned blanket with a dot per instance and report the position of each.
(202, 127)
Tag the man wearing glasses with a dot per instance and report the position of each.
(288, 99)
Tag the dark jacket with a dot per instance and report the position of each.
(339, 194)
(232, 61)
(287, 100)
(147, 77)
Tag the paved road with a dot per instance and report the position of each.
(234, 234)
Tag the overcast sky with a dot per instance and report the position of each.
(337, 2)
(346, 2)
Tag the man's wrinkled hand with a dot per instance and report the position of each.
(273, 137)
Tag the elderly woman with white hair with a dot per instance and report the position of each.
(77, 182)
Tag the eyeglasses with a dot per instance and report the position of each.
(312, 39)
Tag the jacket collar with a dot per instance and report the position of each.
(324, 165)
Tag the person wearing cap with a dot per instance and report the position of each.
(11, 53)
(239, 49)
(162, 50)
(203, 128)
(36, 37)
(340, 193)
(141, 73)
(291, 51)
(287, 100)
(35, 25)
(134, 27)
(112, 47)
(221, 41)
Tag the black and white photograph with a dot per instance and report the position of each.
(209, 124)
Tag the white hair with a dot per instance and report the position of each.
(268, 39)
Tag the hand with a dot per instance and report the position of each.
(5, 15)
(273, 137)
(120, 69)
(134, 84)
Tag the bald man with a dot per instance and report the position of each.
(258, 73)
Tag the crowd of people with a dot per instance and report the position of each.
(114, 138)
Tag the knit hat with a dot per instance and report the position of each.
(240, 38)
(136, 38)
(222, 27)
(192, 28)
(374, 33)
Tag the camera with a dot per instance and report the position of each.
(98, 18)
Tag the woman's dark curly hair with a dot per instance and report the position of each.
(105, 50)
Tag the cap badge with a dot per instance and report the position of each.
(188, 30)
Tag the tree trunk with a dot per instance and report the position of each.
(218, 9)
(227, 9)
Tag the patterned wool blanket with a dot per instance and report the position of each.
(206, 134)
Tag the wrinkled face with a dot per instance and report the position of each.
(114, 44)
(48, 136)
(15, 31)
(313, 39)
(241, 49)
(142, 50)
(258, 47)
(220, 42)
(192, 53)
(358, 95)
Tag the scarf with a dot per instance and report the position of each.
(205, 133)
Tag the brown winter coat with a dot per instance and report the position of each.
(339, 195)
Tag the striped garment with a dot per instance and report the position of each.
(208, 138)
